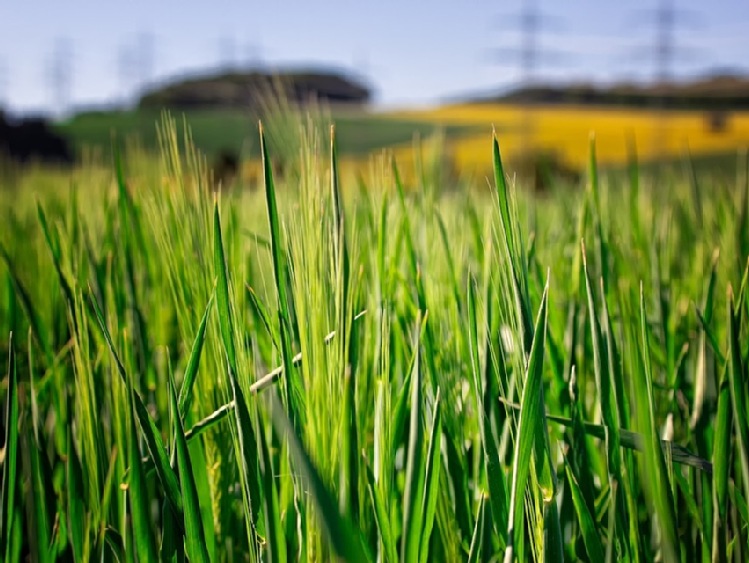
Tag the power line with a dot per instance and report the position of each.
(126, 71)
(665, 49)
(136, 64)
(59, 75)
(253, 55)
(146, 49)
(227, 49)
(530, 22)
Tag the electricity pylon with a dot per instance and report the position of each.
(59, 75)
(529, 22)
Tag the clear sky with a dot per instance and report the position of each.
(414, 52)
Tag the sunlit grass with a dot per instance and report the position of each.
(372, 364)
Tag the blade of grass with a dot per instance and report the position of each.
(143, 534)
(381, 516)
(415, 462)
(431, 479)
(492, 465)
(155, 445)
(191, 370)
(530, 410)
(276, 543)
(10, 463)
(346, 540)
(585, 519)
(630, 440)
(76, 511)
(474, 553)
(292, 385)
(654, 470)
(195, 542)
(737, 381)
(248, 461)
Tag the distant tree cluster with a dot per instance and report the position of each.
(246, 90)
(717, 92)
(31, 139)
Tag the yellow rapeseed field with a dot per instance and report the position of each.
(566, 132)
(563, 131)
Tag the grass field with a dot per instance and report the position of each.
(319, 370)
(214, 130)
(455, 134)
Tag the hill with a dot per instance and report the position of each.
(245, 90)
(722, 91)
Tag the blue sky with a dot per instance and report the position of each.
(413, 52)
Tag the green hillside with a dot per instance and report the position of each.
(214, 130)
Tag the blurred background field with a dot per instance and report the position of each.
(666, 80)
(476, 290)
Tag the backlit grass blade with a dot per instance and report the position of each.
(721, 445)
(415, 463)
(634, 190)
(431, 479)
(492, 466)
(10, 463)
(452, 269)
(143, 533)
(701, 374)
(738, 386)
(531, 408)
(76, 514)
(275, 540)
(502, 190)
(348, 494)
(291, 386)
(609, 408)
(381, 517)
(259, 385)
(585, 519)
(114, 544)
(262, 312)
(54, 248)
(222, 292)
(474, 553)
(151, 433)
(27, 304)
(248, 461)
(417, 275)
(631, 440)
(513, 250)
(191, 370)
(172, 547)
(653, 470)
(342, 535)
(248, 450)
(195, 542)
(41, 504)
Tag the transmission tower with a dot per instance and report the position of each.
(59, 75)
(127, 71)
(146, 54)
(530, 22)
(227, 50)
(253, 55)
(665, 18)
(135, 65)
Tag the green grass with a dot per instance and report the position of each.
(215, 130)
(317, 371)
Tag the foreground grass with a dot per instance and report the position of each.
(315, 371)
